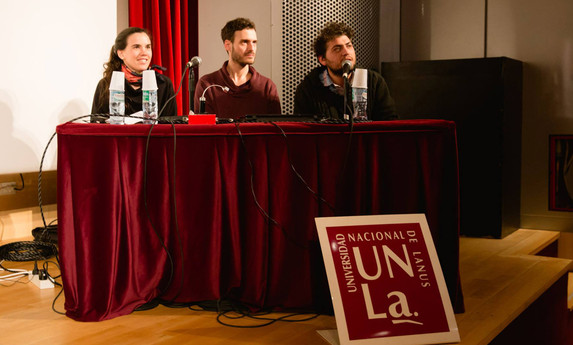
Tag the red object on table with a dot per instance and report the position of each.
(202, 119)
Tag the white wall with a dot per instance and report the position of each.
(52, 57)
(442, 29)
(539, 34)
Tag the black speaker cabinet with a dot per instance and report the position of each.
(483, 97)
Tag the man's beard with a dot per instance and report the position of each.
(239, 59)
(337, 71)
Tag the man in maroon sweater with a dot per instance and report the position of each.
(248, 91)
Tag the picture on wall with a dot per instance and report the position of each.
(561, 172)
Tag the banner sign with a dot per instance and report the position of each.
(385, 279)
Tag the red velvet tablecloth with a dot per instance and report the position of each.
(188, 213)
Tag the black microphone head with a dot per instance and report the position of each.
(346, 67)
(195, 62)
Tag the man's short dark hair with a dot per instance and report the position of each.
(330, 31)
(228, 31)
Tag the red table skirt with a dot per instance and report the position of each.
(189, 213)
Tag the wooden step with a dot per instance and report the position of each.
(501, 278)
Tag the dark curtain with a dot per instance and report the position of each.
(173, 25)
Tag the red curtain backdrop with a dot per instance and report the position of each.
(173, 25)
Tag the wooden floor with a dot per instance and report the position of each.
(496, 284)
(26, 317)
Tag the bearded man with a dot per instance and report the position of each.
(322, 90)
(249, 92)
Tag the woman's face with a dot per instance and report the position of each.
(137, 53)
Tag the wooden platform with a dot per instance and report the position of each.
(500, 279)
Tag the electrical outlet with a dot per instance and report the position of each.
(7, 188)
(42, 284)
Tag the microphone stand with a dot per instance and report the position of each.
(191, 77)
(346, 90)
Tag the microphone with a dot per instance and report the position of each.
(195, 62)
(346, 66)
(202, 99)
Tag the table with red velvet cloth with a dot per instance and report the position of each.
(189, 213)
